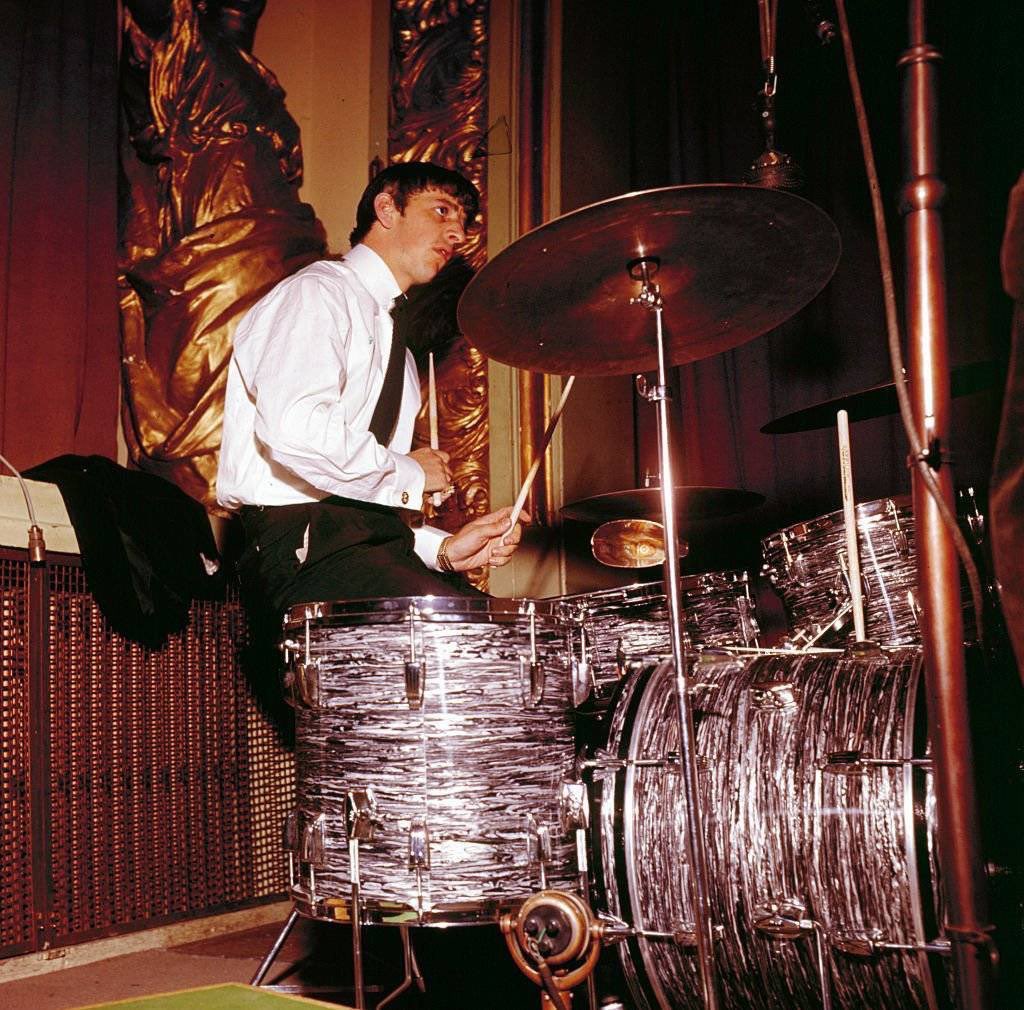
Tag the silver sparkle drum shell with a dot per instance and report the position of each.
(475, 768)
(626, 627)
(793, 826)
(807, 564)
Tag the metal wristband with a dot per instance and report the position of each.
(443, 561)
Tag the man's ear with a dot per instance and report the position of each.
(385, 209)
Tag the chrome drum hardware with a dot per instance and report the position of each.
(614, 631)
(430, 755)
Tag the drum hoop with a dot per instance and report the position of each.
(431, 609)
(866, 511)
(915, 732)
(640, 712)
(655, 591)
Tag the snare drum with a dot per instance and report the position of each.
(436, 732)
(818, 828)
(616, 630)
(807, 564)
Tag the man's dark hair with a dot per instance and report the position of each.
(404, 180)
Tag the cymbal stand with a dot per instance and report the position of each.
(643, 270)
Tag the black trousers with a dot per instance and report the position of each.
(356, 551)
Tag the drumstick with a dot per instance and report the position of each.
(552, 424)
(850, 521)
(435, 498)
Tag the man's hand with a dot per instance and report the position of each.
(486, 541)
(435, 466)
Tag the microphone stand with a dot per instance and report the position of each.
(938, 575)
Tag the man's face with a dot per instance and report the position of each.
(424, 238)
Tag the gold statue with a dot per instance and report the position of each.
(210, 220)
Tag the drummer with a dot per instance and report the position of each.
(318, 416)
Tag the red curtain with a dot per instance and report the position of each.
(58, 180)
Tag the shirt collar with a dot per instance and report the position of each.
(374, 274)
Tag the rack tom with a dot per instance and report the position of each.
(434, 733)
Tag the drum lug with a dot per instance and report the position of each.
(532, 691)
(580, 669)
(783, 920)
(361, 816)
(538, 847)
(290, 842)
(684, 935)
(301, 676)
(419, 844)
(855, 762)
(868, 943)
(898, 536)
(415, 669)
(414, 677)
(749, 627)
(774, 696)
(573, 806)
(311, 845)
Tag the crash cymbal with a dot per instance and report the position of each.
(732, 262)
(880, 400)
(692, 503)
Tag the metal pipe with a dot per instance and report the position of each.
(938, 575)
(687, 737)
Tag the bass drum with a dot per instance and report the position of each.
(818, 829)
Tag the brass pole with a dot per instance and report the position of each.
(938, 573)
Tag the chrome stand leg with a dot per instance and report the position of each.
(264, 967)
(412, 971)
(357, 925)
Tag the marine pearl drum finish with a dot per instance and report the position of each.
(819, 829)
(432, 735)
(807, 564)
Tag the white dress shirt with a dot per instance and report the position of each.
(307, 368)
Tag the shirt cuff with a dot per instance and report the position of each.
(409, 482)
(427, 543)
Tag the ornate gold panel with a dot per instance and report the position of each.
(438, 113)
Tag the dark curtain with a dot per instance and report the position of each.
(661, 93)
(58, 297)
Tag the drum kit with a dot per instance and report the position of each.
(628, 768)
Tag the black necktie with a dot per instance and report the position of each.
(385, 414)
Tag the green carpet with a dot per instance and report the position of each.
(232, 996)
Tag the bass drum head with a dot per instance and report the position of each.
(795, 830)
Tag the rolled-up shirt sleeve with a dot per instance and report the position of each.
(292, 358)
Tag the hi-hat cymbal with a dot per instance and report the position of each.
(692, 504)
(881, 400)
(631, 543)
(733, 262)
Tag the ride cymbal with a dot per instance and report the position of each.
(881, 400)
(731, 263)
(692, 504)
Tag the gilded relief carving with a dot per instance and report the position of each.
(210, 221)
(438, 113)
